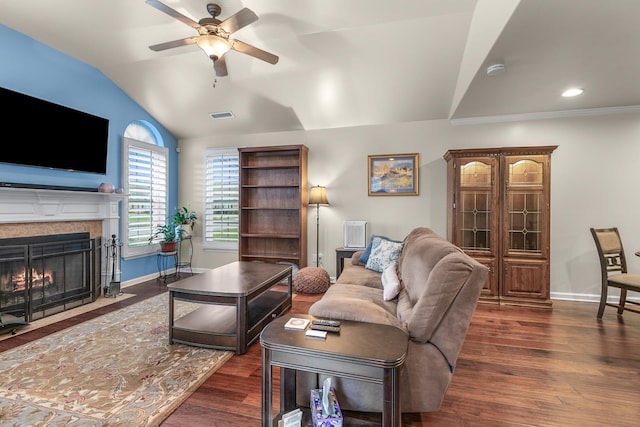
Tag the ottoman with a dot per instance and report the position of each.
(311, 280)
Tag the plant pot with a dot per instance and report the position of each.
(168, 246)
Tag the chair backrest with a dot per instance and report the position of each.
(610, 250)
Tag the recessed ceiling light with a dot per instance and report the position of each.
(572, 92)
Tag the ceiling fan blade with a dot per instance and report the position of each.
(220, 65)
(173, 13)
(172, 44)
(238, 20)
(254, 51)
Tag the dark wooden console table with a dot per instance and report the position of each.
(361, 351)
(237, 303)
(341, 254)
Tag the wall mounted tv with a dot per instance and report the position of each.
(47, 135)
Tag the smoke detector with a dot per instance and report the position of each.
(495, 69)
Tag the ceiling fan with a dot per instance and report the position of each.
(214, 34)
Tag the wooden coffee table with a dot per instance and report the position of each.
(237, 303)
(362, 351)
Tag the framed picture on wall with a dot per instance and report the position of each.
(394, 175)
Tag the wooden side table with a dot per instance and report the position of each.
(361, 351)
(341, 254)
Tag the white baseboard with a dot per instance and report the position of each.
(588, 297)
(152, 276)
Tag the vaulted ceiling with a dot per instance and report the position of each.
(354, 62)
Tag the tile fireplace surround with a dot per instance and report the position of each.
(35, 212)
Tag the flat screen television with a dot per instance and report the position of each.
(39, 133)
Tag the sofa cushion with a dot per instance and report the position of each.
(358, 275)
(364, 257)
(390, 282)
(359, 303)
(383, 253)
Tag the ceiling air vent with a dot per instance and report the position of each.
(221, 115)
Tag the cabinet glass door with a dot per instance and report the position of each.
(475, 207)
(525, 205)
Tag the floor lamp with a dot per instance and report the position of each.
(318, 196)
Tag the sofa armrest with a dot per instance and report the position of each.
(355, 258)
(357, 303)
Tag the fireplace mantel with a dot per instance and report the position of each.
(30, 205)
(20, 205)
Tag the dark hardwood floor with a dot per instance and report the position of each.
(518, 367)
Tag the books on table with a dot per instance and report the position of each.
(297, 324)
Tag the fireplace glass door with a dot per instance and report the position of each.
(44, 275)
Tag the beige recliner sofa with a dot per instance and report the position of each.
(440, 286)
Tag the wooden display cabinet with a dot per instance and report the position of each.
(498, 212)
(273, 204)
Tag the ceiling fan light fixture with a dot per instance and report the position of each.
(213, 46)
(213, 36)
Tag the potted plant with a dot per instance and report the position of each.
(168, 234)
(183, 218)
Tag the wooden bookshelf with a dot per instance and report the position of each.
(273, 204)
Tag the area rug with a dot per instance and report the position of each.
(115, 370)
(37, 324)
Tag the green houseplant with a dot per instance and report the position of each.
(184, 218)
(168, 234)
(174, 229)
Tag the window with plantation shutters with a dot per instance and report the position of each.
(146, 184)
(221, 199)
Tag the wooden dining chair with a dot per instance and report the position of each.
(613, 266)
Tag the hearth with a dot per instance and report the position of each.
(44, 275)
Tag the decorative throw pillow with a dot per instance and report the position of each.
(390, 282)
(383, 253)
(367, 252)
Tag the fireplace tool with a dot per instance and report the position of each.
(11, 323)
(113, 255)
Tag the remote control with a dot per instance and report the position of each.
(326, 328)
(325, 322)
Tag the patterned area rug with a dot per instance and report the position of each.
(115, 370)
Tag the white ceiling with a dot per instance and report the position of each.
(354, 62)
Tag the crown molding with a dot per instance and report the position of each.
(604, 111)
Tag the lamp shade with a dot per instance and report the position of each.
(213, 46)
(318, 196)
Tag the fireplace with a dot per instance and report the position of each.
(44, 275)
(27, 211)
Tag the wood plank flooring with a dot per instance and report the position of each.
(518, 367)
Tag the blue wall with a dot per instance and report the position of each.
(37, 70)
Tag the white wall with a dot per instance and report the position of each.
(594, 171)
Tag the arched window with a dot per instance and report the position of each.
(141, 131)
(146, 183)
